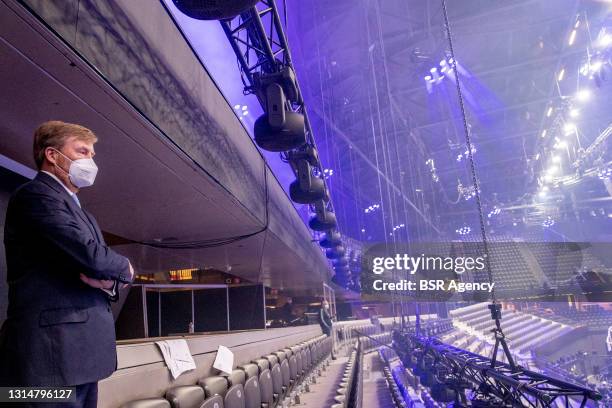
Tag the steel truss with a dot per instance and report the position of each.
(495, 385)
(259, 42)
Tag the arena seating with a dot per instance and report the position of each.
(523, 331)
(590, 315)
(264, 382)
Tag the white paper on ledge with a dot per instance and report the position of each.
(177, 356)
(224, 361)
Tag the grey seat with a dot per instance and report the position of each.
(272, 359)
(186, 396)
(252, 393)
(306, 359)
(298, 360)
(236, 377)
(147, 403)
(214, 385)
(286, 375)
(234, 398)
(266, 388)
(250, 370)
(293, 369)
(262, 364)
(213, 402)
(277, 381)
(281, 355)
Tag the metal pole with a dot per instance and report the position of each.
(192, 311)
(263, 290)
(227, 306)
(159, 313)
(144, 311)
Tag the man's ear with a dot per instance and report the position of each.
(49, 155)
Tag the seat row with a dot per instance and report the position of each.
(406, 390)
(376, 340)
(264, 382)
(349, 389)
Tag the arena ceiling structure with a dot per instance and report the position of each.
(385, 110)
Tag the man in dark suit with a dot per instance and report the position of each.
(59, 329)
(325, 319)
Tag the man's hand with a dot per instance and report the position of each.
(97, 283)
(124, 285)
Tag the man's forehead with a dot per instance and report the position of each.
(80, 143)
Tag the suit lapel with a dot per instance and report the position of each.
(94, 224)
(52, 183)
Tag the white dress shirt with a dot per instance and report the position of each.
(72, 194)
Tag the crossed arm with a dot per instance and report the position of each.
(50, 218)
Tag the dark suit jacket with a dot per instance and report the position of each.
(325, 321)
(59, 331)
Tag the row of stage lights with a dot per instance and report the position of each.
(432, 169)
(437, 74)
(371, 208)
(563, 127)
(283, 127)
(466, 154)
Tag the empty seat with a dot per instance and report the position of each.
(272, 359)
(234, 397)
(277, 381)
(250, 370)
(215, 385)
(252, 391)
(213, 402)
(147, 403)
(281, 355)
(186, 396)
(286, 375)
(236, 377)
(262, 364)
(293, 369)
(266, 388)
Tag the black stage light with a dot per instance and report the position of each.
(323, 222)
(213, 9)
(278, 129)
(341, 268)
(332, 238)
(335, 253)
(290, 136)
(307, 188)
(340, 262)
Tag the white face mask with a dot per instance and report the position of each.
(82, 172)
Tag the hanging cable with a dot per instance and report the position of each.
(494, 307)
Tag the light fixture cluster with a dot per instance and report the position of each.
(438, 73)
(327, 173)
(495, 211)
(397, 227)
(241, 110)
(467, 192)
(371, 208)
(432, 169)
(604, 173)
(466, 154)
(465, 230)
(560, 134)
(548, 222)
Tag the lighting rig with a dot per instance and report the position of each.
(256, 35)
(449, 372)
(258, 40)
